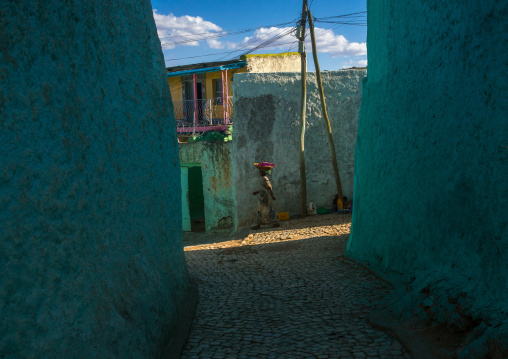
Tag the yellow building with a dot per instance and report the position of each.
(202, 93)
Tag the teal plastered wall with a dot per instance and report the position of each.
(215, 161)
(431, 161)
(91, 257)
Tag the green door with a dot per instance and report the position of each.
(186, 222)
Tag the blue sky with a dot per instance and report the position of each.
(339, 46)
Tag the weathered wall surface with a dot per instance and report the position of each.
(267, 128)
(285, 62)
(91, 259)
(215, 161)
(431, 168)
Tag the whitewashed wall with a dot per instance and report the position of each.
(267, 128)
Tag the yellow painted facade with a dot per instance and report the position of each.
(176, 85)
(258, 63)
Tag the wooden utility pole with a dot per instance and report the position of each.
(323, 109)
(303, 108)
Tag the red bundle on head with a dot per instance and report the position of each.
(264, 166)
(267, 164)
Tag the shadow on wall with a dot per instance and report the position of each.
(267, 128)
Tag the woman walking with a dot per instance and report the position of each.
(266, 214)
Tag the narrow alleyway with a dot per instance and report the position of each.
(284, 293)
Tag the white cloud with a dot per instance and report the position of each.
(337, 45)
(353, 63)
(178, 30)
(215, 44)
(326, 41)
(264, 34)
(171, 29)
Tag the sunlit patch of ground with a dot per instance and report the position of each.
(296, 229)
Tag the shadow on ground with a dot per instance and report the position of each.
(300, 263)
(294, 298)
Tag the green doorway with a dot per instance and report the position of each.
(196, 199)
(193, 200)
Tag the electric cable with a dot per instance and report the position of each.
(253, 42)
(207, 36)
(225, 31)
(352, 17)
(271, 41)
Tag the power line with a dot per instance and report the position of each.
(259, 39)
(357, 18)
(292, 44)
(208, 35)
(224, 31)
(288, 30)
(353, 20)
(354, 14)
(344, 23)
(271, 41)
(231, 52)
(255, 41)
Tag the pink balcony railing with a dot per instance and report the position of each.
(199, 116)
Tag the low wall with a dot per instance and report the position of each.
(267, 128)
(431, 167)
(215, 161)
(262, 63)
(91, 257)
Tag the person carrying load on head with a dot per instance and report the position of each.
(266, 214)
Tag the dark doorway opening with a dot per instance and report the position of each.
(189, 100)
(196, 199)
(201, 102)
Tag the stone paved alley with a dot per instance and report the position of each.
(284, 293)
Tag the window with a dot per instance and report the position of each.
(217, 85)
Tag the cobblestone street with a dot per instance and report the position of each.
(284, 293)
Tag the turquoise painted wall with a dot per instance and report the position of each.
(431, 161)
(91, 257)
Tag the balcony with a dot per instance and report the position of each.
(199, 116)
